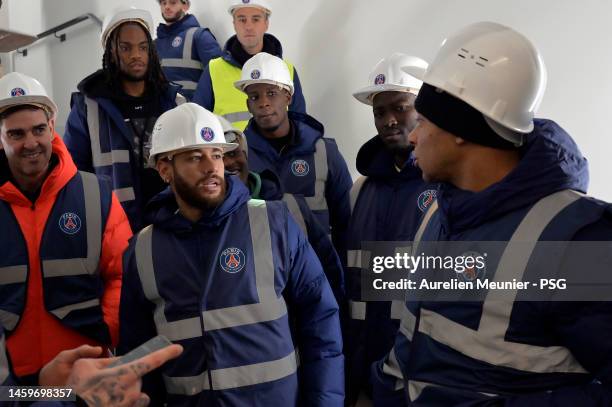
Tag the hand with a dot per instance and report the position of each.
(118, 386)
(56, 372)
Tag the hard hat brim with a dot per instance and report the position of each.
(34, 100)
(365, 95)
(231, 9)
(242, 85)
(225, 147)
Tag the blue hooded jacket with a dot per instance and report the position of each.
(204, 95)
(442, 375)
(389, 208)
(308, 131)
(170, 43)
(114, 137)
(188, 271)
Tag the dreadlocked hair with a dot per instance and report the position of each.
(155, 76)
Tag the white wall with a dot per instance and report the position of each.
(334, 44)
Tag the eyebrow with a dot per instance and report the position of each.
(129, 43)
(21, 129)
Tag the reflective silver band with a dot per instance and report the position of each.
(233, 377)
(99, 158)
(4, 366)
(357, 310)
(295, 211)
(63, 311)
(488, 343)
(358, 258)
(125, 194)
(189, 44)
(318, 201)
(238, 117)
(187, 85)
(355, 190)
(181, 63)
(419, 234)
(391, 368)
(244, 314)
(13, 274)
(93, 218)
(8, 319)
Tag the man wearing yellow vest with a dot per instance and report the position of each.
(215, 90)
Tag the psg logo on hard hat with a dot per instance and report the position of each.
(380, 79)
(70, 223)
(207, 134)
(176, 42)
(18, 92)
(425, 199)
(246, 1)
(300, 168)
(255, 74)
(232, 260)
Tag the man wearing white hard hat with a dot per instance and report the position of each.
(63, 235)
(388, 203)
(109, 128)
(266, 185)
(512, 193)
(231, 279)
(215, 91)
(293, 145)
(184, 47)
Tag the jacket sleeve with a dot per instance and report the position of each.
(337, 195)
(136, 324)
(117, 233)
(203, 94)
(76, 135)
(324, 249)
(206, 46)
(317, 329)
(298, 103)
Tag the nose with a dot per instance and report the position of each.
(31, 142)
(389, 120)
(413, 137)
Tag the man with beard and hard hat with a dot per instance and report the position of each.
(293, 145)
(388, 203)
(63, 236)
(230, 278)
(519, 182)
(109, 127)
(215, 90)
(266, 186)
(183, 46)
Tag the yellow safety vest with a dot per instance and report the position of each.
(229, 101)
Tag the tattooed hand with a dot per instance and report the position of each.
(119, 386)
(56, 372)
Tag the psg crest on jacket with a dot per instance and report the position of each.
(232, 260)
(176, 42)
(425, 199)
(300, 168)
(70, 223)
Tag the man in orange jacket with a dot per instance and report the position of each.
(63, 236)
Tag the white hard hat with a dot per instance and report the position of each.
(497, 71)
(122, 15)
(19, 89)
(387, 76)
(265, 68)
(186, 127)
(260, 4)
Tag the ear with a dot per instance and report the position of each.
(267, 22)
(164, 168)
(52, 127)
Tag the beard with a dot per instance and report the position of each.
(128, 77)
(177, 17)
(189, 195)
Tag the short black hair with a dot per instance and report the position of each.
(155, 76)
